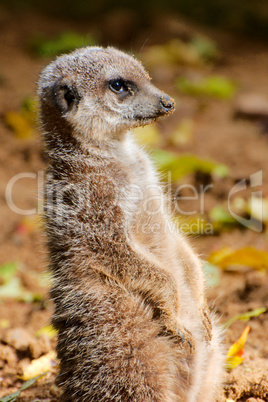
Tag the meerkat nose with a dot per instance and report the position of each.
(167, 103)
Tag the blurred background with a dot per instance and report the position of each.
(212, 57)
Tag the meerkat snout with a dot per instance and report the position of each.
(167, 104)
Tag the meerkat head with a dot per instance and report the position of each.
(99, 92)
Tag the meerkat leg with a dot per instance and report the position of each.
(169, 247)
(157, 286)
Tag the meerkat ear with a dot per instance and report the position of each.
(65, 95)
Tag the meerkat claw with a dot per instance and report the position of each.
(181, 336)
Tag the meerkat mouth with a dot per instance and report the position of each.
(150, 118)
(143, 121)
(163, 111)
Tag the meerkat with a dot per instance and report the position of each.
(130, 310)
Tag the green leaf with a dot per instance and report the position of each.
(219, 214)
(13, 397)
(13, 289)
(180, 166)
(212, 274)
(213, 86)
(65, 42)
(244, 316)
(8, 270)
(173, 52)
(163, 158)
(205, 48)
(29, 104)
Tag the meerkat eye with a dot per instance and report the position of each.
(119, 86)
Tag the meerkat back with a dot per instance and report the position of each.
(130, 310)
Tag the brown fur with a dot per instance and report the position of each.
(128, 289)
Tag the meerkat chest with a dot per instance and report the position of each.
(140, 169)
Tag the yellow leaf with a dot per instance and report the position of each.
(4, 323)
(183, 133)
(235, 353)
(245, 257)
(39, 366)
(147, 135)
(19, 123)
(193, 225)
(216, 257)
(48, 330)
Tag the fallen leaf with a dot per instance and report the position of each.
(28, 224)
(23, 121)
(63, 43)
(19, 124)
(235, 355)
(212, 86)
(13, 397)
(4, 323)
(48, 330)
(8, 270)
(181, 165)
(219, 214)
(227, 258)
(244, 316)
(205, 48)
(147, 135)
(212, 274)
(183, 134)
(193, 225)
(174, 52)
(39, 366)
(13, 289)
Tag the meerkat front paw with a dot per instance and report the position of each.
(182, 337)
(186, 339)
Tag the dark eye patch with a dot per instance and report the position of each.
(69, 96)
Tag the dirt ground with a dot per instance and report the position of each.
(239, 143)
